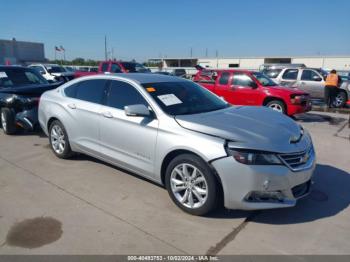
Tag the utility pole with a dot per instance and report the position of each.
(191, 52)
(217, 58)
(106, 56)
(206, 52)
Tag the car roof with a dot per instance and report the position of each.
(230, 70)
(141, 78)
(12, 66)
(34, 64)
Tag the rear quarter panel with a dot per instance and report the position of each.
(54, 105)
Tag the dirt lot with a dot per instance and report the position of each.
(83, 206)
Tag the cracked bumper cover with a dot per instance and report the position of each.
(240, 181)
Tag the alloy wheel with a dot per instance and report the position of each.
(58, 140)
(276, 107)
(189, 185)
(339, 100)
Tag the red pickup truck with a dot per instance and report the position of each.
(242, 87)
(115, 67)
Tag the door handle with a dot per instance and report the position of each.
(107, 114)
(72, 106)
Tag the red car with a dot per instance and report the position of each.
(115, 67)
(242, 87)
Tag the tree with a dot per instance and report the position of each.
(78, 61)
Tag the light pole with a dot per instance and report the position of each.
(106, 55)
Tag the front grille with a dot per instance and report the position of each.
(301, 190)
(297, 161)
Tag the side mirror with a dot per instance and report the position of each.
(137, 110)
(254, 85)
(317, 78)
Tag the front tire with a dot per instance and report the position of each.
(8, 121)
(340, 99)
(191, 184)
(59, 140)
(277, 105)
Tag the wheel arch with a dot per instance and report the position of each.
(49, 122)
(171, 155)
(271, 98)
(346, 92)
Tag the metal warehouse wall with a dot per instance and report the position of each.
(18, 52)
(251, 63)
(310, 62)
(338, 63)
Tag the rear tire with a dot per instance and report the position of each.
(8, 122)
(59, 140)
(191, 184)
(277, 105)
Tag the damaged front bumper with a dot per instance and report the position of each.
(27, 119)
(252, 187)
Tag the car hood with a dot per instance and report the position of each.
(256, 128)
(63, 74)
(290, 89)
(29, 89)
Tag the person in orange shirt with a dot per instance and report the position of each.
(331, 88)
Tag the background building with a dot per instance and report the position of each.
(20, 52)
(341, 63)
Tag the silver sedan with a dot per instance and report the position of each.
(178, 134)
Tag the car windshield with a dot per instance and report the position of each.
(184, 98)
(263, 79)
(134, 67)
(55, 69)
(324, 73)
(272, 73)
(13, 77)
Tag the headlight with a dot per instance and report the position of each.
(297, 99)
(254, 157)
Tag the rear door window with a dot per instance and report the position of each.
(71, 91)
(290, 74)
(91, 91)
(310, 75)
(224, 78)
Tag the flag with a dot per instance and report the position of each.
(57, 49)
(62, 49)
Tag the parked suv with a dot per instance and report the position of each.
(178, 134)
(242, 87)
(53, 72)
(311, 80)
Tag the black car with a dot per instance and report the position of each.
(20, 91)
